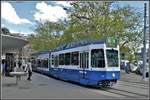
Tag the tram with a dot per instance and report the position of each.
(91, 62)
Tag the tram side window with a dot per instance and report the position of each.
(52, 59)
(67, 59)
(39, 63)
(97, 58)
(87, 60)
(56, 61)
(45, 63)
(61, 59)
(75, 58)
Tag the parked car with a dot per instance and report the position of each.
(135, 65)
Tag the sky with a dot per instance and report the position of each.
(21, 16)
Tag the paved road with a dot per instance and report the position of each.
(45, 87)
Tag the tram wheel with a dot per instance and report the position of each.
(105, 84)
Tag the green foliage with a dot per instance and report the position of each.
(5, 30)
(93, 20)
(48, 36)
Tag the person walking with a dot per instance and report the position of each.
(23, 64)
(127, 68)
(28, 69)
(3, 65)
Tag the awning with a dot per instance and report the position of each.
(12, 43)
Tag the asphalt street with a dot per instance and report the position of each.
(129, 86)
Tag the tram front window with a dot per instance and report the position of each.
(112, 58)
(97, 58)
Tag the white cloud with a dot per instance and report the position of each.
(64, 3)
(9, 14)
(49, 13)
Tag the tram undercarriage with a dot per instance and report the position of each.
(107, 83)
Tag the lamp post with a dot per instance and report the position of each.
(1, 47)
(144, 44)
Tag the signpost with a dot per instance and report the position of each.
(111, 42)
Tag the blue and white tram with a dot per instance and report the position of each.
(88, 63)
(40, 62)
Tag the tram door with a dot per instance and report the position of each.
(49, 61)
(83, 64)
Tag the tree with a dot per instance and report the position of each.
(93, 20)
(48, 35)
(5, 31)
(99, 20)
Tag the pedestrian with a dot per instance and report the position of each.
(3, 65)
(28, 69)
(6, 68)
(126, 67)
(23, 64)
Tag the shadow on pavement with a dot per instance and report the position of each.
(9, 85)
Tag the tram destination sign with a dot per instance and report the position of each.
(111, 42)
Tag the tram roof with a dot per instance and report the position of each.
(41, 52)
(77, 44)
(71, 45)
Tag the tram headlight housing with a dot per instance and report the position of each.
(113, 75)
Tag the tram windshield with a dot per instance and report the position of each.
(112, 58)
(97, 58)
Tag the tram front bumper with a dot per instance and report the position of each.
(112, 75)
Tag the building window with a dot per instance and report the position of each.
(75, 58)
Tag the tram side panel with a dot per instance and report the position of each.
(83, 73)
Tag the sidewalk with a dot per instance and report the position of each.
(133, 77)
(24, 88)
(44, 87)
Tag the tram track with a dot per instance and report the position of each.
(133, 85)
(125, 93)
(129, 92)
(125, 80)
(121, 92)
(142, 87)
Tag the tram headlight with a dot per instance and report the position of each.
(113, 75)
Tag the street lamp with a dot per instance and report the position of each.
(144, 43)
